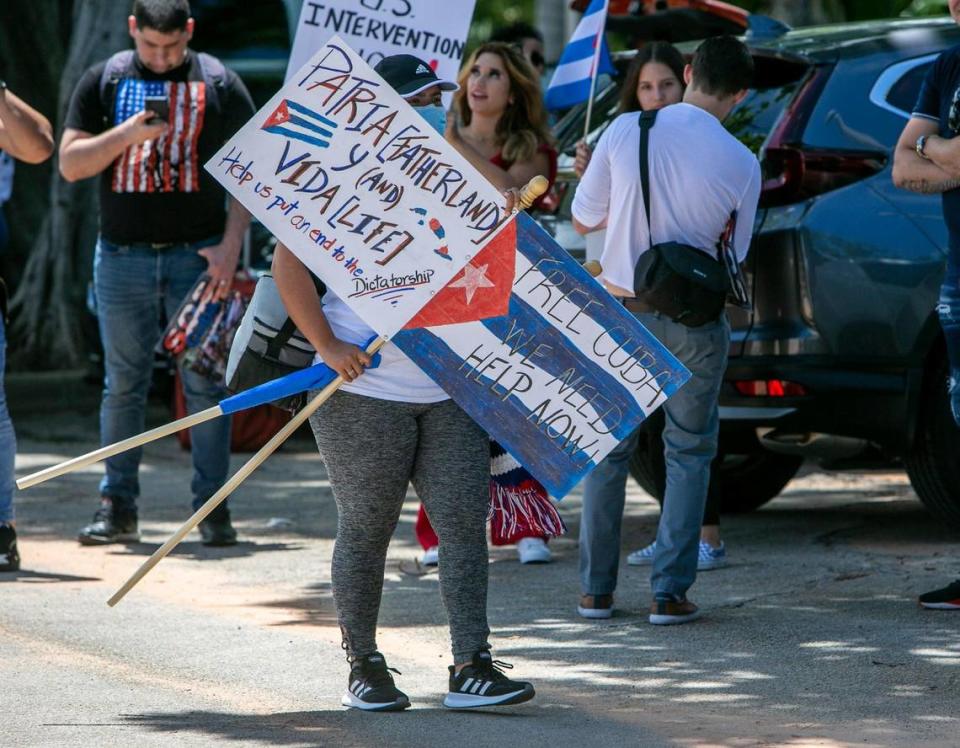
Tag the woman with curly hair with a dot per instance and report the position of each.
(501, 125)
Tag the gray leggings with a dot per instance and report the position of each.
(372, 449)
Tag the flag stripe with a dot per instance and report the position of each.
(277, 130)
(577, 283)
(310, 126)
(578, 50)
(558, 470)
(310, 113)
(561, 359)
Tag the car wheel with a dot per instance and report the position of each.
(747, 481)
(933, 464)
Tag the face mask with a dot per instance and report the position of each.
(435, 115)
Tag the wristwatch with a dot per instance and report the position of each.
(921, 144)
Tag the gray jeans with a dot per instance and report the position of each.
(373, 449)
(690, 443)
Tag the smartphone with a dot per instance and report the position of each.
(160, 106)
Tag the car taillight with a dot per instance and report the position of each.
(770, 388)
(793, 171)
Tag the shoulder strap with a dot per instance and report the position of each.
(647, 120)
(117, 66)
(214, 74)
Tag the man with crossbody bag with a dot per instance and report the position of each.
(663, 262)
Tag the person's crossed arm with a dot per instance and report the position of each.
(937, 170)
(24, 133)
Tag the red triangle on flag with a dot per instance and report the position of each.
(479, 291)
(281, 115)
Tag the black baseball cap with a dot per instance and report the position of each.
(409, 75)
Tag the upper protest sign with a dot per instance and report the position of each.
(360, 187)
(433, 30)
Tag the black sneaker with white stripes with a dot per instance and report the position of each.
(483, 683)
(370, 686)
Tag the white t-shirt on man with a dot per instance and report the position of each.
(396, 378)
(699, 174)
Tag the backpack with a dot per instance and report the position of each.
(214, 76)
(267, 344)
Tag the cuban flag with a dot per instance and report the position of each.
(293, 120)
(585, 56)
(541, 356)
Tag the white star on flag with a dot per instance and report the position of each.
(473, 278)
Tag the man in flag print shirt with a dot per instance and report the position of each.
(146, 121)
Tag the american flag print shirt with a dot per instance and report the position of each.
(170, 163)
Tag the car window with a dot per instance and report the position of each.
(897, 88)
(754, 118)
(903, 94)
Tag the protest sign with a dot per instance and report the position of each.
(560, 378)
(433, 30)
(373, 200)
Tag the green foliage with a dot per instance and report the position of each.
(919, 8)
(490, 14)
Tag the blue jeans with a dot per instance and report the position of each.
(949, 311)
(689, 445)
(8, 440)
(133, 284)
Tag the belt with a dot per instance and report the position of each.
(636, 306)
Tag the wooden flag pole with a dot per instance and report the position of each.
(532, 190)
(122, 446)
(231, 485)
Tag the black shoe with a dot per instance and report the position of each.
(9, 556)
(110, 525)
(946, 598)
(216, 529)
(483, 683)
(370, 686)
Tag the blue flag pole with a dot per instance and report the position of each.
(231, 485)
(313, 377)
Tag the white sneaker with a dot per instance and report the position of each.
(644, 556)
(708, 557)
(533, 551)
(431, 556)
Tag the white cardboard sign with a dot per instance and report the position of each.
(373, 200)
(433, 30)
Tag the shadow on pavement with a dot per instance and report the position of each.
(27, 576)
(343, 727)
(195, 550)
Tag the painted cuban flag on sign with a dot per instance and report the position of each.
(409, 234)
(555, 369)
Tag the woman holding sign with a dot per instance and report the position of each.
(499, 125)
(385, 428)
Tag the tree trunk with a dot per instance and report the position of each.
(49, 299)
(24, 28)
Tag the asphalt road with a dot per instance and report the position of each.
(811, 637)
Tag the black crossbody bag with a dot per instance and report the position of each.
(678, 280)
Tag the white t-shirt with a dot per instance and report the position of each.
(396, 378)
(699, 174)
